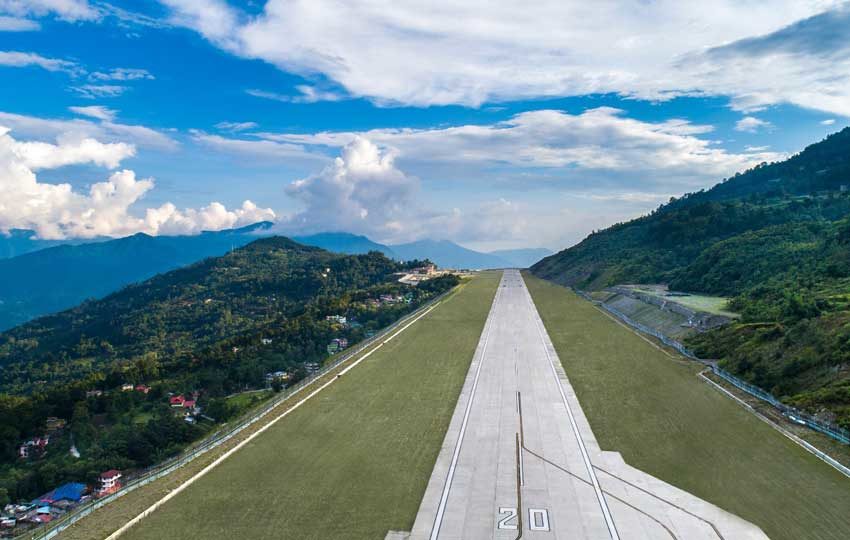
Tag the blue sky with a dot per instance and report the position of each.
(490, 127)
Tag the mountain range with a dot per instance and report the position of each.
(60, 277)
(443, 253)
(48, 278)
(776, 240)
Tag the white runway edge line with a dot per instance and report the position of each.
(151, 509)
(823, 456)
(444, 497)
(603, 504)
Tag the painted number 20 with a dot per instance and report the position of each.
(538, 519)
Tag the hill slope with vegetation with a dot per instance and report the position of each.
(60, 277)
(777, 240)
(209, 330)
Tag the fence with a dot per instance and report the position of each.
(642, 327)
(216, 438)
(838, 433)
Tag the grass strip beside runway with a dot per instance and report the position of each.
(354, 461)
(668, 423)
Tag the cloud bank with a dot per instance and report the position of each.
(598, 143)
(58, 211)
(365, 192)
(469, 53)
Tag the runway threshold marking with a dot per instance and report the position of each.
(600, 497)
(441, 509)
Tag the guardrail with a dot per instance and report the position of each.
(795, 415)
(48, 531)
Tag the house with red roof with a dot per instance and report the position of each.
(177, 401)
(108, 482)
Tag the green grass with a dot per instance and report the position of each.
(142, 418)
(711, 304)
(665, 421)
(354, 461)
(246, 400)
(717, 305)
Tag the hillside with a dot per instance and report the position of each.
(209, 330)
(30, 286)
(777, 240)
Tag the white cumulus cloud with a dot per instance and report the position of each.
(106, 209)
(751, 124)
(361, 191)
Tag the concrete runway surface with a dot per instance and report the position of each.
(520, 461)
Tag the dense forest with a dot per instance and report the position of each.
(206, 332)
(776, 239)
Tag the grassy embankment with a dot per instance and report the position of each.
(667, 422)
(354, 461)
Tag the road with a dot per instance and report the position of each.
(520, 460)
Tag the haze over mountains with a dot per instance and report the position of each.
(61, 277)
(30, 287)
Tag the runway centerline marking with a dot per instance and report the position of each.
(603, 504)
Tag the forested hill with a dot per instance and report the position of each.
(60, 277)
(775, 238)
(222, 333)
(175, 314)
(789, 205)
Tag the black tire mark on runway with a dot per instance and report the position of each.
(608, 493)
(518, 488)
(674, 505)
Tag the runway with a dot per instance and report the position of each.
(520, 461)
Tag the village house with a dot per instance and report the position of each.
(277, 376)
(34, 447)
(94, 393)
(337, 345)
(127, 387)
(426, 270)
(143, 388)
(108, 482)
(177, 401)
(312, 367)
(53, 424)
(266, 341)
(339, 319)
